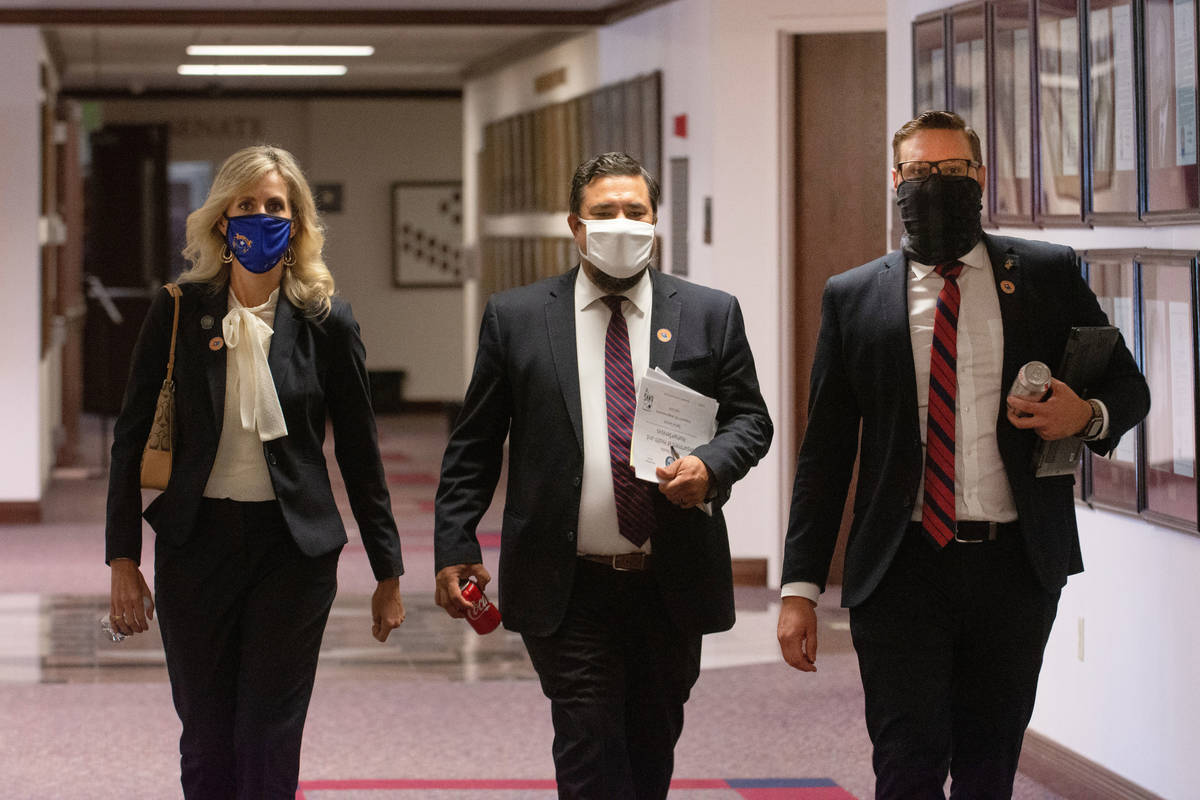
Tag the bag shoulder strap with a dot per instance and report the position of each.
(175, 292)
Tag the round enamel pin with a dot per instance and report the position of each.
(216, 343)
(1008, 287)
(206, 322)
(664, 335)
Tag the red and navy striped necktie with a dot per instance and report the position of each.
(635, 511)
(937, 516)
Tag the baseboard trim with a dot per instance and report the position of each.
(749, 572)
(20, 513)
(1069, 774)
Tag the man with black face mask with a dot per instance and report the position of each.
(957, 553)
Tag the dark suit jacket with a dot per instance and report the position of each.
(863, 372)
(319, 371)
(526, 386)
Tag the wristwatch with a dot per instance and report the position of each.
(1091, 431)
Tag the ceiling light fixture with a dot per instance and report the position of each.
(261, 69)
(278, 50)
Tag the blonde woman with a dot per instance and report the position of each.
(248, 533)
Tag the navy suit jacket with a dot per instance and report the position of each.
(863, 372)
(525, 386)
(319, 370)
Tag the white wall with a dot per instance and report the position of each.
(368, 145)
(23, 467)
(365, 145)
(751, 189)
(1131, 703)
(722, 62)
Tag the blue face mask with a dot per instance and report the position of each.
(258, 241)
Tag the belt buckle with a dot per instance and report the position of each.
(629, 559)
(991, 534)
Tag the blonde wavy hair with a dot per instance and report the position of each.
(307, 283)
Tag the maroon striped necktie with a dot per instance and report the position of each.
(635, 511)
(937, 516)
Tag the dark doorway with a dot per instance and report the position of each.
(125, 252)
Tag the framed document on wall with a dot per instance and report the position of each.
(969, 78)
(427, 234)
(1172, 182)
(1060, 108)
(1112, 118)
(929, 64)
(1011, 169)
(1113, 481)
(1169, 327)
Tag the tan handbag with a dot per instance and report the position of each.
(156, 455)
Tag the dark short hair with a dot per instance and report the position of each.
(610, 164)
(941, 121)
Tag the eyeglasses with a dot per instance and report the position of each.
(917, 171)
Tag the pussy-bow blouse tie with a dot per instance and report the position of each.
(247, 337)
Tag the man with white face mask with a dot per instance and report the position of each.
(610, 580)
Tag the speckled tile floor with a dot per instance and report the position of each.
(82, 717)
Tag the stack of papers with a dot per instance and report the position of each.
(671, 421)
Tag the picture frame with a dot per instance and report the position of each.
(1116, 482)
(1169, 113)
(1168, 290)
(427, 249)
(969, 80)
(929, 63)
(1011, 171)
(1113, 142)
(1060, 113)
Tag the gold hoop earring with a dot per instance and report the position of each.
(226, 255)
(289, 258)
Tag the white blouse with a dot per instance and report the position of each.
(252, 411)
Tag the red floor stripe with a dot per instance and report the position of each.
(781, 792)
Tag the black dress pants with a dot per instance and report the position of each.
(242, 612)
(617, 673)
(950, 646)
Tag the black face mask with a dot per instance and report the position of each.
(941, 216)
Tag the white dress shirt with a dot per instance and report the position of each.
(599, 533)
(252, 413)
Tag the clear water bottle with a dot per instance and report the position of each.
(114, 634)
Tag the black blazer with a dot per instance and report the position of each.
(863, 372)
(526, 386)
(319, 371)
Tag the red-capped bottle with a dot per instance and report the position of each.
(483, 614)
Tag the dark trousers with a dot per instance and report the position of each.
(950, 646)
(617, 672)
(242, 612)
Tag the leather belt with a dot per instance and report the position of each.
(972, 532)
(622, 562)
(976, 531)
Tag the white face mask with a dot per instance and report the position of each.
(620, 248)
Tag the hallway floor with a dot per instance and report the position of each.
(87, 718)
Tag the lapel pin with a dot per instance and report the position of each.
(1008, 263)
(664, 335)
(216, 343)
(1008, 287)
(206, 322)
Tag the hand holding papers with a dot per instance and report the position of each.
(671, 421)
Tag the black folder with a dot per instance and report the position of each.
(1083, 365)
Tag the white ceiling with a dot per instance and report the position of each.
(139, 58)
(136, 46)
